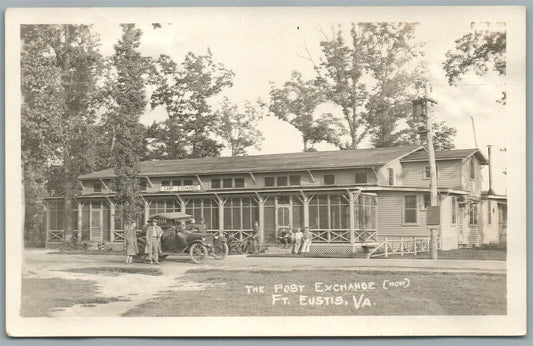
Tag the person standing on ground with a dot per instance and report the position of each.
(153, 237)
(130, 238)
(307, 239)
(298, 236)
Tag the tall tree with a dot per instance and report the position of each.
(340, 75)
(481, 50)
(443, 135)
(296, 103)
(373, 79)
(59, 65)
(238, 128)
(184, 93)
(392, 60)
(128, 93)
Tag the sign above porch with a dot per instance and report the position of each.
(180, 188)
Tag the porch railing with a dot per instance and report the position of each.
(343, 236)
(401, 246)
(57, 235)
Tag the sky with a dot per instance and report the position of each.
(264, 47)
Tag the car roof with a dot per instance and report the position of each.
(172, 216)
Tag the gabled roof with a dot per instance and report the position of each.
(456, 154)
(337, 159)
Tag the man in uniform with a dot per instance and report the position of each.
(153, 238)
(202, 227)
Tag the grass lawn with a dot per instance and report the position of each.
(426, 294)
(494, 254)
(41, 296)
(115, 271)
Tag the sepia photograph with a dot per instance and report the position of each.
(289, 171)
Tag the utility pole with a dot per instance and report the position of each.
(422, 109)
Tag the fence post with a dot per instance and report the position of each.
(386, 248)
(401, 245)
(414, 245)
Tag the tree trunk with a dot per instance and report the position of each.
(68, 240)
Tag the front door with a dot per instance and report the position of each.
(460, 228)
(283, 220)
(96, 225)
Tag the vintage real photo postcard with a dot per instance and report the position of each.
(292, 171)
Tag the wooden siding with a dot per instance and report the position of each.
(490, 231)
(448, 231)
(390, 216)
(473, 186)
(383, 173)
(342, 177)
(448, 177)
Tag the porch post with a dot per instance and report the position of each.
(80, 215)
(261, 220)
(47, 227)
(351, 203)
(220, 213)
(305, 200)
(111, 221)
(146, 212)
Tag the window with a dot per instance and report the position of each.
(474, 213)
(240, 213)
(282, 181)
(165, 183)
(426, 199)
(427, 173)
(472, 169)
(158, 206)
(294, 180)
(227, 183)
(205, 208)
(391, 176)
(142, 185)
(187, 182)
(330, 212)
(269, 181)
(176, 182)
(409, 209)
(329, 179)
(215, 183)
(239, 182)
(360, 178)
(489, 208)
(454, 210)
(97, 187)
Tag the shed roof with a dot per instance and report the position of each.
(456, 154)
(267, 163)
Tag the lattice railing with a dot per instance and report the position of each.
(364, 236)
(401, 246)
(118, 236)
(56, 235)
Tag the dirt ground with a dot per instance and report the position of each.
(91, 286)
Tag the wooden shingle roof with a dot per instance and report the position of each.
(456, 154)
(267, 163)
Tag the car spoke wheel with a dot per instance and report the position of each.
(198, 253)
(220, 252)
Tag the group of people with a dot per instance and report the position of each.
(299, 242)
(153, 239)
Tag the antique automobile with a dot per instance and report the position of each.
(180, 236)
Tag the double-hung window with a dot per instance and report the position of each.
(410, 212)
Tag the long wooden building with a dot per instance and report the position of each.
(348, 199)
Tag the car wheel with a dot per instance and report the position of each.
(198, 253)
(220, 252)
